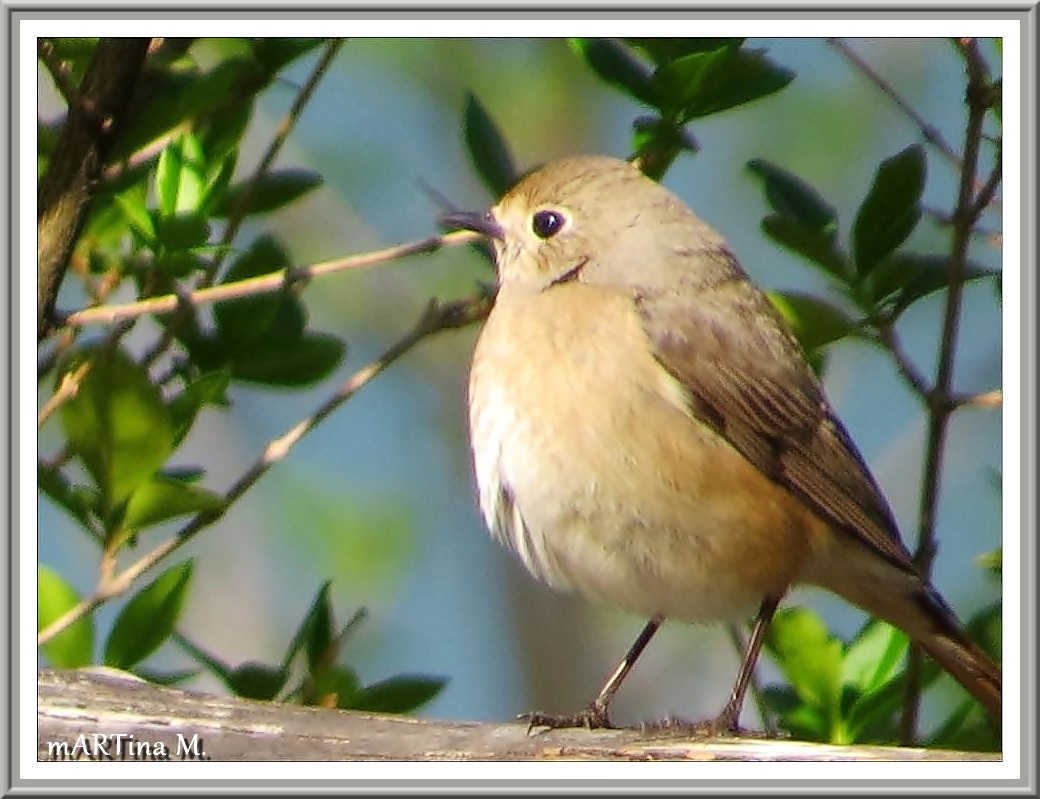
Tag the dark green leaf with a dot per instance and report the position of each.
(73, 647)
(79, 501)
(401, 694)
(182, 231)
(488, 148)
(117, 423)
(247, 322)
(793, 198)
(666, 49)
(177, 96)
(253, 680)
(318, 616)
(616, 64)
(336, 686)
(816, 246)
(903, 278)
(291, 363)
(891, 209)
(706, 83)
(658, 142)
(815, 322)
(799, 719)
(209, 388)
(274, 53)
(267, 193)
(147, 620)
(167, 677)
(164, 498)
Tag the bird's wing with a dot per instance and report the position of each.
(747, 378)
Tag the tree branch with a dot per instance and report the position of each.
(261, 284)
(66, 189)
(940, 399)
(435, 319)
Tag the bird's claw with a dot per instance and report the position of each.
(593, 717)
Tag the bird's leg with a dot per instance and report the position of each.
(726, 723)
(595, 715)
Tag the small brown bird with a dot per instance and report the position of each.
(646, 430)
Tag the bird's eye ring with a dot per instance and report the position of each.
(547, 224)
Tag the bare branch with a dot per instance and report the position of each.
(965, 216)
(67, 389)
(287, 124)
(435, 319)
(928, 130)
(261, 284)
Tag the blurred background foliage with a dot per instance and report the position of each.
(374, 509)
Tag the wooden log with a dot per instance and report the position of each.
(76, 705)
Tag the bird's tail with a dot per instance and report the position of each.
(901, 598)
(966, 663)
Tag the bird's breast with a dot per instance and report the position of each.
(591, 468)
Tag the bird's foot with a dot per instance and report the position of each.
(723, 726)
(594, 717)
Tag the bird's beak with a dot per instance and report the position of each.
(485, 224)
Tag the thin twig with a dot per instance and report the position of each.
(261, 284)
(965, 215)
(67, 389)
(887, 336)
(59, 72)
(288, 122)
(435, 319)
(928, 130)
(985, 399)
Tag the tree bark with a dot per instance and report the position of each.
(94, 117)
(105, 702)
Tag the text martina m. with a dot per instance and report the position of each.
(124, 746)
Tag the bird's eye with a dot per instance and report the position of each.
(547, 224)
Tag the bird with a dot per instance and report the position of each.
(645, 430)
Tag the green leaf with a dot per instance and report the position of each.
(79, 501)
(658, 142)
(340, 683)
(253, 680)
(809, 657)
(666, 49)
(401, 694)
(815, 322)
(615, 64)
(902, 278)
(73, 647)
(291, 363)
(180, 176)
(117, 423)
(209, 388)
(266, 193)
(245, 323)
(167, 677)
(891, 209)
(818, 247)
(874, 658)
(275, 53)
(319, 637)
(793, 198)
(148, 618)
(165, 497)
(709, 82)
(488, 148)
